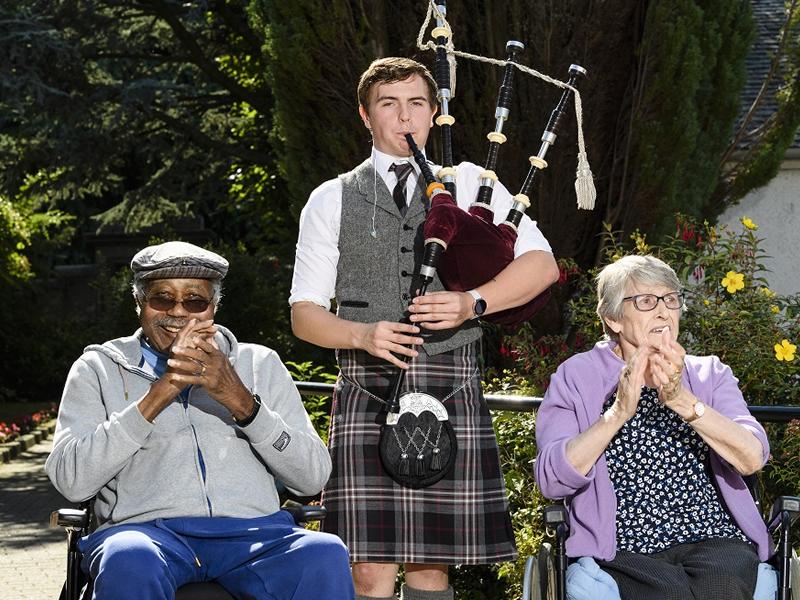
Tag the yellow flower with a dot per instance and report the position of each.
(748, 222)
(775, 308)
(733, 281)
(785, 350)
(767, 292)
(707, 302)
(616, 256)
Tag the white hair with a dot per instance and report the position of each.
(612, 281)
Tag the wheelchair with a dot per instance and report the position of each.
(545, 576)
(78, 522)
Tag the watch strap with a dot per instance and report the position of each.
(478, 301)
(252, 416)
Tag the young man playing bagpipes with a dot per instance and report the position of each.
(440, 499)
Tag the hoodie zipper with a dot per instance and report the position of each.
(200, 458)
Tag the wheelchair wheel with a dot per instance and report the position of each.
(539, 576)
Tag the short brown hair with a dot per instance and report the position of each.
(389, 70)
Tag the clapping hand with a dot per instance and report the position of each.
(629, 389)
(196, 359)
(666, 367)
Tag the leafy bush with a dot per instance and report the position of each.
(318, 407)
(516, 439)
(785, 471)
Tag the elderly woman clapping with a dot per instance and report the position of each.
(648, 446)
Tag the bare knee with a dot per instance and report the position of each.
(430, 578)
(375, 579)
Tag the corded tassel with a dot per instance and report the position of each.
(436, 460)
(420, 465)
(402, 466)
(584, 183)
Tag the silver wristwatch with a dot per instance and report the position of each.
(479, 307)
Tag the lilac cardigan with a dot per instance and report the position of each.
(573, 403)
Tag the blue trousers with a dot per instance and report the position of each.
(267, 557)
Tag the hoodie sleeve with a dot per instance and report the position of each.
(282, 433)
(89, 446)
(556, 424)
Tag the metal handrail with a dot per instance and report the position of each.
(767, 414)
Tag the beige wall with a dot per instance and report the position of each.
(775, 208)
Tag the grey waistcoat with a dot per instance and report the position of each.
(376, 275)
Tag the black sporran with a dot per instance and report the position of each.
(418, 445)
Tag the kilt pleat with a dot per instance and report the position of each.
(461, 519)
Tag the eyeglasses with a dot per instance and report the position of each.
(646, 302)
(165, 303)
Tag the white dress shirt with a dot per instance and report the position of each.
(317, 255)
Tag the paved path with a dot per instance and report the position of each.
(32, 556)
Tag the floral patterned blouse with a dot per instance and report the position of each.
(658, 466)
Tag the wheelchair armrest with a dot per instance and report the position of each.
(554, 515)
(784, 504)
(77, 518)
(303, 513)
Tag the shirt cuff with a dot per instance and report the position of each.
(309, 297)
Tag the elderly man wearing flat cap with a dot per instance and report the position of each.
(179, 432)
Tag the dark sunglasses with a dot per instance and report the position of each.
(165, 303)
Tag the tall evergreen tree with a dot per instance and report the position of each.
(691, 71)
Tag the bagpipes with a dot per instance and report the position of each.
(471, 248)
(466, 249)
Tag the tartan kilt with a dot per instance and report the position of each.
(461, 519)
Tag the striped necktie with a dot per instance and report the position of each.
(402, 170)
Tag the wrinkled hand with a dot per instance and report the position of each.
(203, 364)
(441, 310)
(193, 331)
(629, 389)
(386, 338)
(666, 367)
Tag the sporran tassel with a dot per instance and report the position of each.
(420, 464)
(436, 460)
(402, 466)
(584, 183)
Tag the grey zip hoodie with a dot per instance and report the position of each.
(192, 460)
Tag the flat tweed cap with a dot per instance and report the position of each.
(178, 260)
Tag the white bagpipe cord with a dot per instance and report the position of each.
(584, 181)
(374, 232)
